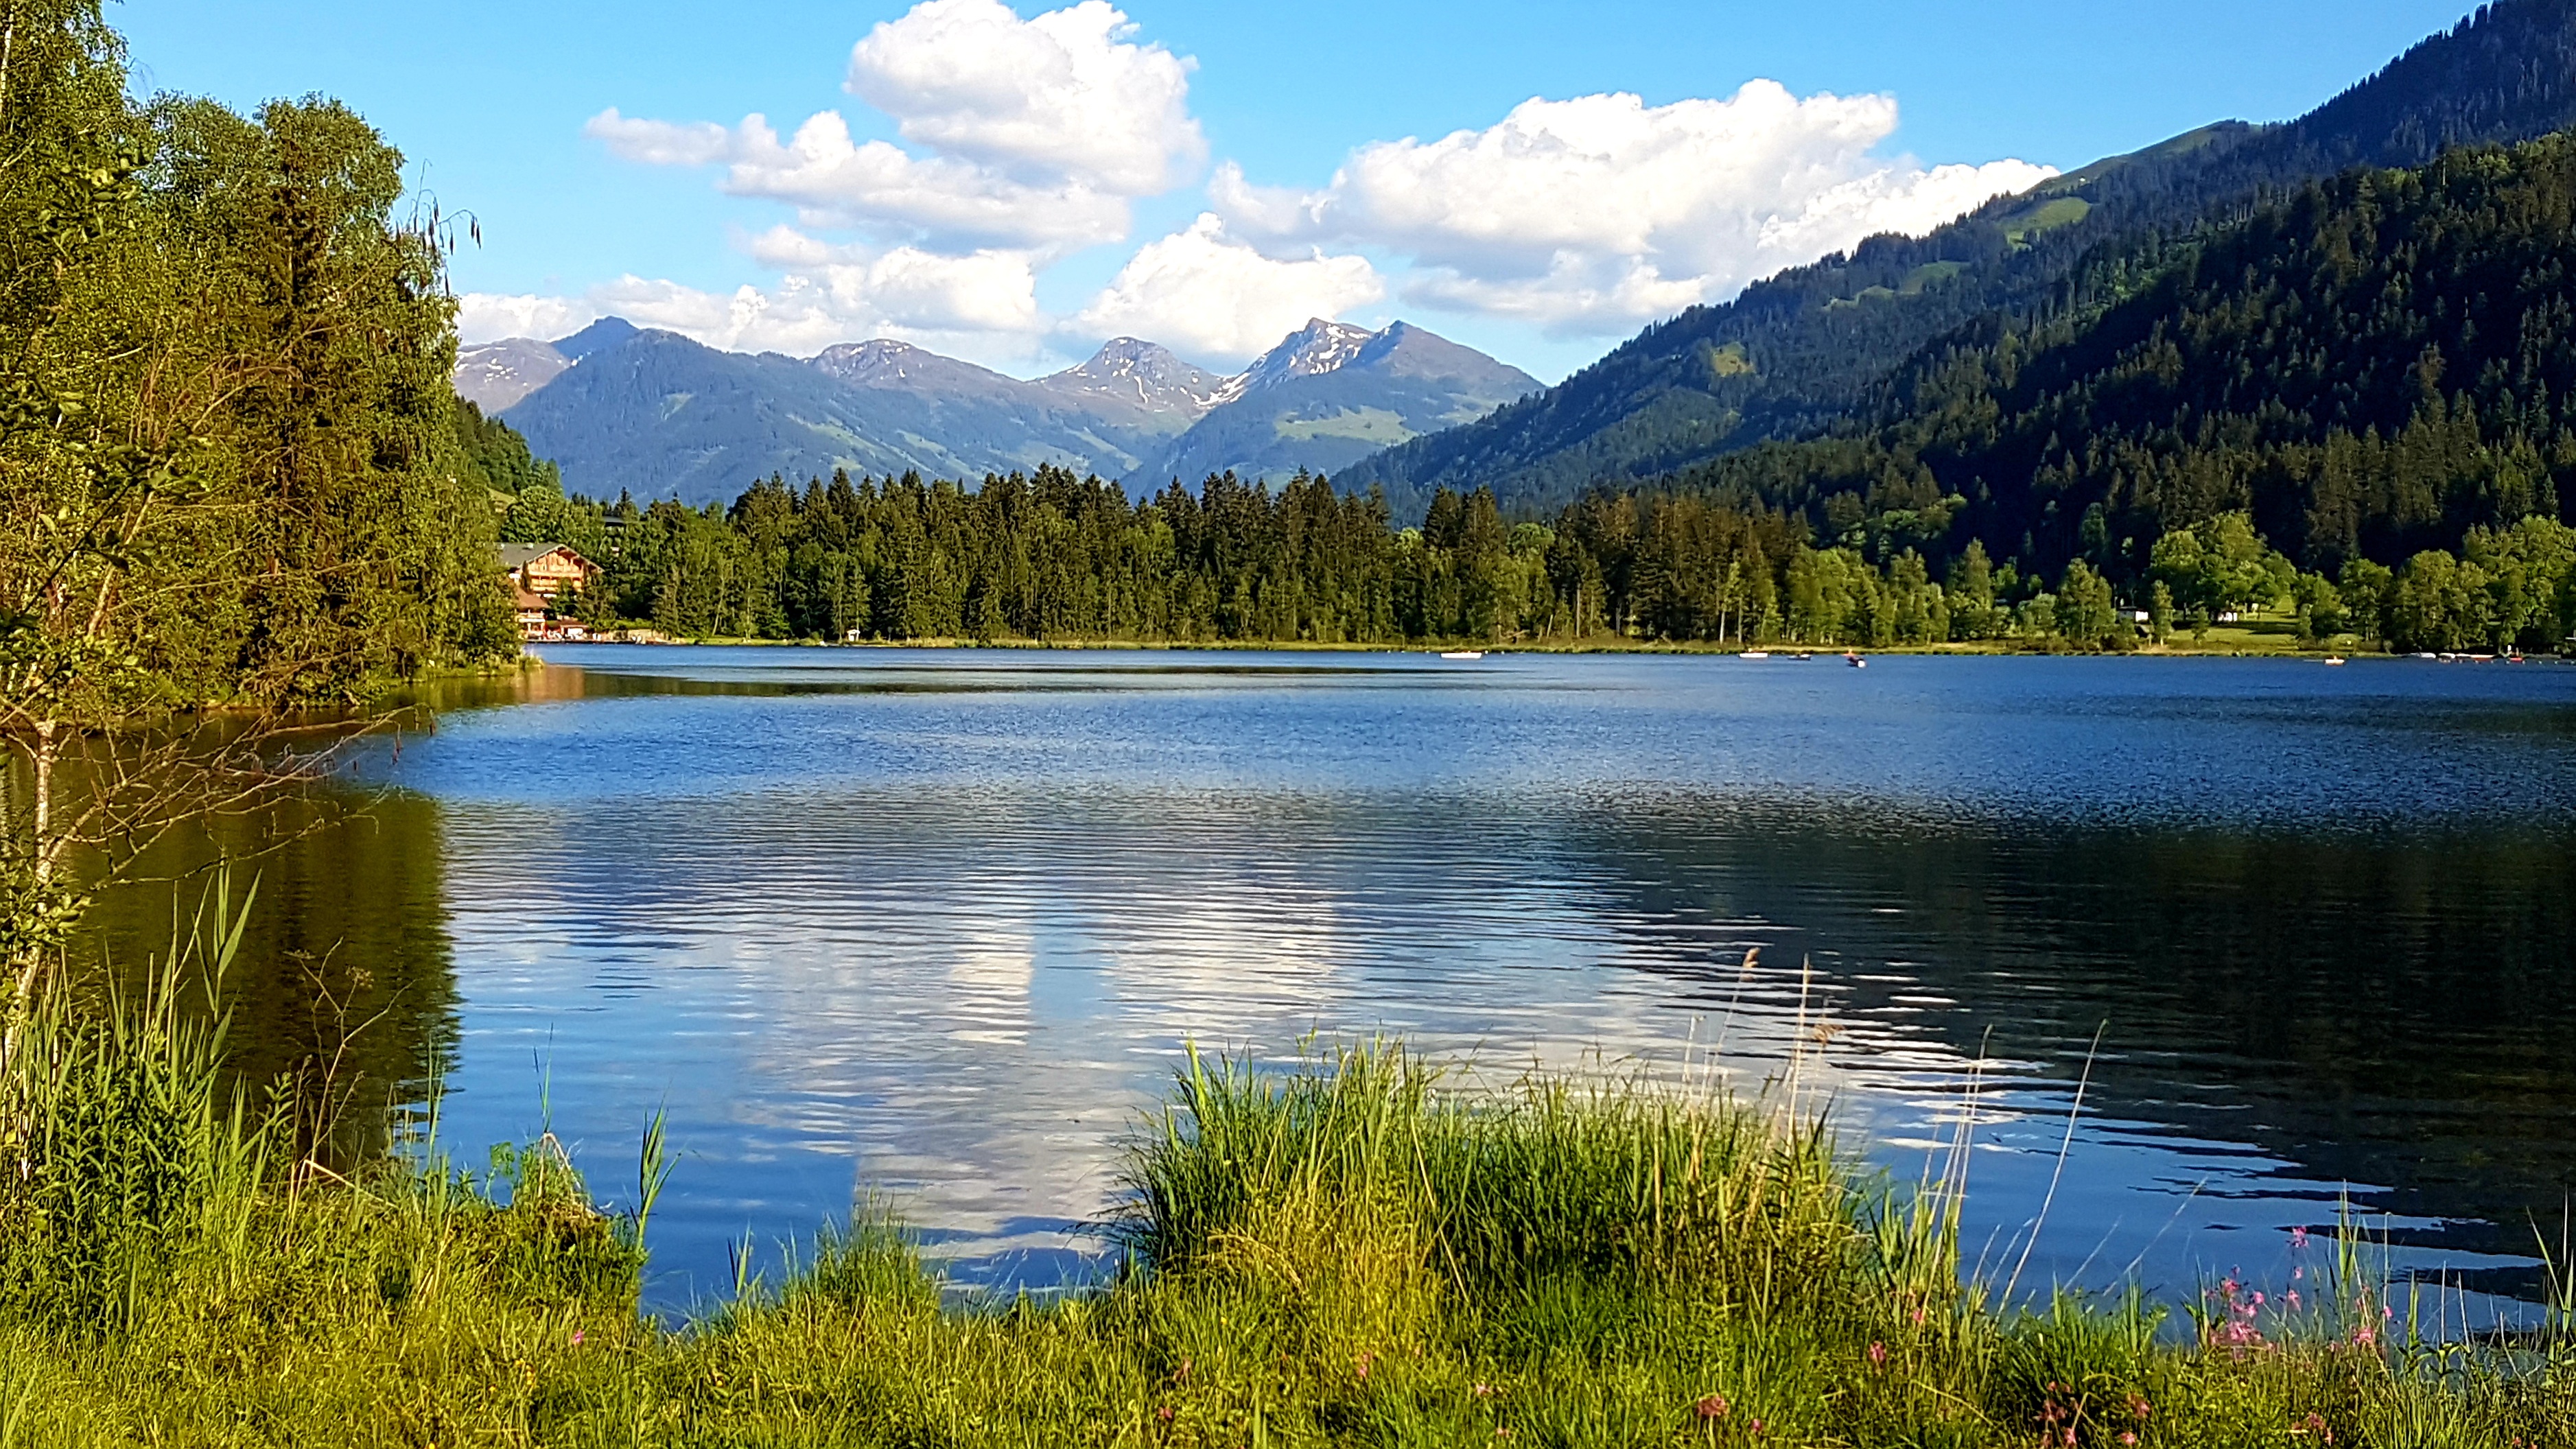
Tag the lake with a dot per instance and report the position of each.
(934, 928)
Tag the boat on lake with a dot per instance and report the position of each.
(1855, 661)
(2334, 659)
(1754, 654)
(1464, 654)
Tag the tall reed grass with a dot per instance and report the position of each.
(1359, 1251)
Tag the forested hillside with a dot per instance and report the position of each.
(1792, 353)
(2372, 370)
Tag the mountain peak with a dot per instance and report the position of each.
(495, 375)
(1310, 351)
(879, 360)
(605, 333)
(1330, 394)
(882, 362)
(1129, 373)
(1317, 347)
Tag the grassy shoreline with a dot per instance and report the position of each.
(1352, 1253)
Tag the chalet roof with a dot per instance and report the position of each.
(516, 556)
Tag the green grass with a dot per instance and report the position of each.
(1360, 1252)
(2047, 216)
(1731, 361)
(1366, 425)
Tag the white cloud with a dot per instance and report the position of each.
(1066, 94)
(1600, 212)
(1022, 141)
(1203, 292)
(1039, 132)
(982, 305)
(491, 316)
(874, 187)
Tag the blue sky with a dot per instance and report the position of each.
(1013, 183)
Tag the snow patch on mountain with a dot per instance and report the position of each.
(1310, 351)
(1131, 373)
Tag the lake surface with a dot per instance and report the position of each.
(935, 927)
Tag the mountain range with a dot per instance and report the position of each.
(654, 414)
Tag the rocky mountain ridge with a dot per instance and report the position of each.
(658, 415)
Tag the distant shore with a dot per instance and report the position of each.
(2229, 644)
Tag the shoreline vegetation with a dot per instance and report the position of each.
(1052, 557)
(2222, 644)
(1355, 1250)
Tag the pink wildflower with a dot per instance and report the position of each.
(1712, 1407)
(576, 1336)
(2298, 1237)
(1878, 1353)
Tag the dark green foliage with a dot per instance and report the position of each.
(1792, 353)
(2374, 371)
(497, 458)
(1052, 558)
(228, 451)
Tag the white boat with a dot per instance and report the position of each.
(1754, 654)
(1855, 661)
(2334, 659)
(1464, 654)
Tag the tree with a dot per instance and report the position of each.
(2320, 608)
(230, 472)
(2084, 612)
(2438, 603)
